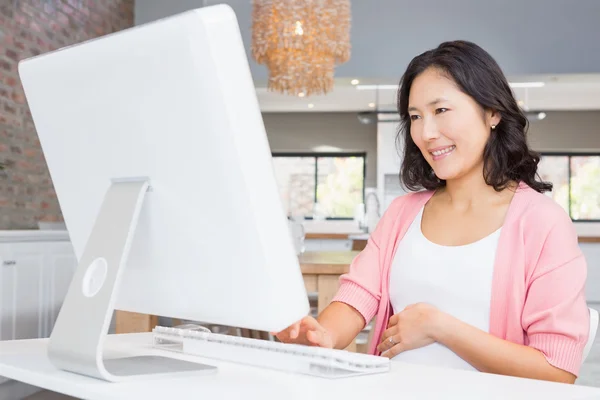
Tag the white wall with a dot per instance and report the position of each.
(566, 131)
(302, 132)
(592, 256)
(388, 163)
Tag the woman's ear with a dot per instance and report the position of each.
(493, 118)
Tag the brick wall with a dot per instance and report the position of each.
(31, 27)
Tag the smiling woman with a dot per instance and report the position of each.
(452, 100)
(480, 270)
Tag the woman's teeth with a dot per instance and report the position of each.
(444, 151)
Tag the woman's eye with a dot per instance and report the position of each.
(441, 110)
(414, 117)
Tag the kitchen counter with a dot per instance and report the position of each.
(36, 235)
(330, 235)
(326, 262)
(33, 235)
(365, 236)
(589, 239)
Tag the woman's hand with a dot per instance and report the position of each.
(307, 331)
(412, 328)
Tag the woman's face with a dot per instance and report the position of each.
(447, 125)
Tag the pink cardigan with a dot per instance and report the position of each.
(538, 282)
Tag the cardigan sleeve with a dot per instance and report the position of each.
(555, 315)
(360, 288)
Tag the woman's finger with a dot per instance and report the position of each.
(315, 337)
(310, 323)
(319, 338)
(294, 330)
(394, 350)
(393, 320)
(286, 334)
(388, 332)
(387, 342)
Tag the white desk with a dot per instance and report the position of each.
(26, 361)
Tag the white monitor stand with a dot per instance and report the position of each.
(169, 104)
(92, 294)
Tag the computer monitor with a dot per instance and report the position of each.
(157, 150)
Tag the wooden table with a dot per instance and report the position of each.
(321, 271)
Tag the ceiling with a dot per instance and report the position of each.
(553, 44)
(559, 92)
(524, 37)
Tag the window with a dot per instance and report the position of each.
(576, 180)
(320, 185)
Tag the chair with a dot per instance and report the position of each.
(594, 317)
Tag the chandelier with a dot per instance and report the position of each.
(301, 42)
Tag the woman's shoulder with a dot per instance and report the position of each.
(539, 209)
(541, 230)
(400, 212)
(543, 222)
(410, 198)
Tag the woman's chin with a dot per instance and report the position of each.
(446, 175)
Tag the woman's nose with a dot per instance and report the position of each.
(430, 130)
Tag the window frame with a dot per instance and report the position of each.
(316, 155)
(570, 154)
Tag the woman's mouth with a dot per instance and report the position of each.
(440, 153)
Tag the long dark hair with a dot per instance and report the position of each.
(507, 156)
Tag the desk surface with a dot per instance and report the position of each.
(326, 262)
(26, 361)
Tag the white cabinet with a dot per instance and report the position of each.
(327, 244)
(21, 304)
(34, 278)
(389, 160)
(59, 267)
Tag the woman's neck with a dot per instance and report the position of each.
(471, 191)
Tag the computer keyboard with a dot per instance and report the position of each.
(316, 361)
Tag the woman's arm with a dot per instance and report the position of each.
(421, 324)
(491, 354)
(342, 322)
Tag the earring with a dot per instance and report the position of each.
(493, 127)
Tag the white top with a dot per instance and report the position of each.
(27, 361)
(455, 279)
